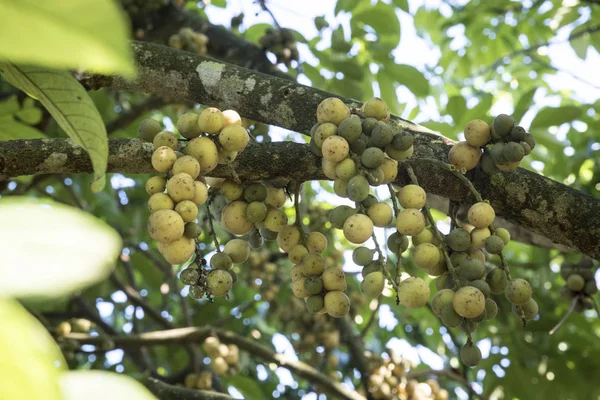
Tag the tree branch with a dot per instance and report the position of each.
(164, 391)
(198, 335)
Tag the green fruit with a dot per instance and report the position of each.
(530, 140)
(358, 188)
(449, 317)
(458, 257)
(468, 302)
(590, 288)
(518, 134)
(373, 284)
(440, 300)
(483, 286)
(528, 310)
(219, 282)
(575, 282)
(368, 124)
(340, 214)
(513, 152)
(487, 164)
(314, 303)
(313, 284)
(518, 291)
(497, 280)
(221, 261)
(350, 128)
(255, 239)
(459, 239)
(491, 309)
(369, 201)
(255, 192)
(362, 255)
(315, 149)
(256, 212)
(381, 135)
(148, 129)
(471, 269)
(470, 325)
(268, 234)
(397, 243)
(371, 267)
(196, 292)
(526, 147)
(502, 126)
(346, 169)
(376, 177)
(494, 244)
(192, 230)
(402, 141)
(443, 281)
(372, 157)
(358, 146)
(189, 276)
(313, 264)
(497, 154)
(340, 187)
(470, 355)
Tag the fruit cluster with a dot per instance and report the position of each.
(224, 358)
(189, 40)
(282, 43)
(214, 137)
(509, 144)
(580, 283)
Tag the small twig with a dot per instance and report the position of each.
(211, 226)
(569, 312)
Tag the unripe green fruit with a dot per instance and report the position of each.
(192, 230)
(340, 188)
(412, 196)
(219, 282)
(340, 214)
(528, 310)
(483, 286)
(399, 155)
(371, 267)
(518, 291)
(440, 282)
(470, 325)
(468, 302)
(268, 234)
(189, 276)
(471, 269)
(497, 154)
(358, 228)
(332, 110)
(221, 260)
(156, 184)
(494, 244)
(426, 255)
(397, 243)
(449, 317)
(316, 150)
(590, 288)
(334, 279)
(238, 250)
(413, 292)
(513, 152)
(487, 164)
(165, 138)
(497, 280)
(358, 146)
(232, 190)
(357, 188)
(530, 140)
(503, 234)
(314, 303)
(196, 292)
(491, 309)
(381, 135)
(376, 176)
(313, 285)
(517, 134)
(148, 129)
(187, 125)
(440, 300)
(477, 133)
(459, 239)
(372, 157)
(337, 304)
(256, 212)
(402, 141)
(410, 222)
(255, 192)
(368, 124)
(526, 147)
(369, 201)
(350, 128)
(470, 355)
(575, 282)
(373, 284)
(502, 126)
(375, 108)
(255, 240)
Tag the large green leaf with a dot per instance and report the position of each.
(401, 4)
(255, 32)
(382, 18)
(101, 385)
(554, 116)
(69, 104)
(250, 388)
(11, 129)
(50, 249)
(89, 34)
(29, 356)
(410, 77)
(523, 104)
(456, 107)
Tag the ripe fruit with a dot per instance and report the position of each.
(373, 284)
(518, 291)
(275, 220)
(288, 237)
(234, 218)
(205, 151)
(178, 251)
(160, 201)
(381, 214)
(426, 255)
(165, 138)
(156, 184)
(163, 159)
(316, 241)
(337, 304)
(478, 237)
(335, 148)
(464, 156)
(468, 302)
(332, 110)
(413, 292)
(481, 215)
(313, 264)
(477, 133)
(334, 279)
(211, 121)
(410, 222)
(412, 196)
(219, 282)
(181, 187)
(358, 228)
(375, 108)
(187, 125)
(188, 165)
(187, 209)
(231, 117)
(234, 138)
(165, 226)
(201, 193)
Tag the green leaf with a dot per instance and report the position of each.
(554, 116)
(410, 77)
(348, 66)
(401, 4)
(67, 34)
(255, 32)
(29, 355)
(250, 388)
(50, 249)
(69, 104)
(457, 106)
(347, 5)
(382, 18)
(101, 385)
(218, 3)
(580, 45)
(523, 104)
(31, 116)
(11, 130)
(9, 106)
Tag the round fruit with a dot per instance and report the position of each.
(219, 282)
(232, 190)
(518, 134)
(477, 133)
(481, 215)
(410, 222)
(483, 286)
(373, 284)
(233, 218)
(464, 156)
(160, 201)
(205, 151)
(313, 264)
(440, 300)
(234, 138)
(358, 188)
(528, 310)
(362, 255)
(478, 237)
(468, 302)
(350, 128)
(231, 117)
(459, 239)
(513, 152)
(314, 303)
(413, 292)
(201, 193)
(372, 157)
(381, 135)
(402, 141)
(163, 159)
(165, 138)
(189, 276)
(358, 228)
(187, 209)
(313, 284)
(192, 230)
(165, 226)
(337, 304)
(275, 220)
(256, 212)
(449, 317)
(178, 251)
(339, 215)
(275, 197)
(487, 164)
(328, 168)
(156, 184)
(298, 288)
(221, 260)
(238, 250)
(211, 121)
(399, 155)
(375, 108)
(412, 196)
(575, 282)
(322, 132)
(504, 234)
(494, 244)
(471, 269)
(502, 126)
(187, 125)
(334, 279)
(148, 129)
(332, 110)
(426, 255)
(381, 214)
(491, 309)
(255, 192)
(518, 291)
(188, 165)
(397, 243)
(346, 169)
(497, 280)
(296, 253)
(470, 354)
(316, 241)
(390, 170)
(181, 187)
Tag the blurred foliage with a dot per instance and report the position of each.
(481, 58)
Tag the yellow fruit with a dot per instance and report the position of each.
(201, 193)
(329, 168)
(234, 220)
(410, 222)
(232, 190)
(165, 138)
(187, 164)
(231, 117)
(156, 184)
(426, 255)
(296, 253)
(375, 108)
(481, 215)
(335, 149)
(211, 121)
(275, 220)
(234, 138)
(214, 182)
(219, 282)
(477, 133)
(381, 214)
(205, 151)
(187, 209)
(181, 187)
(275, 197)
(178, 251)
(468, 302)
(288, 237)
(165, 226)
(413, 292)
(464, 156)
(238, 250)
(337, 304)
(478, 236)
(504, 235)
(358, 228)
(187, 125)
(298, 288)
(163, 159)
(334, 279)
(332, 110)
(316, 241)
(412, 196)
(160, 201)
(390, 170)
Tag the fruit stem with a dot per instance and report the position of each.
(211, 226)
(383, 261)
(298, 221)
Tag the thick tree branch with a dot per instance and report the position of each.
(540, 205)
(198, 335)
